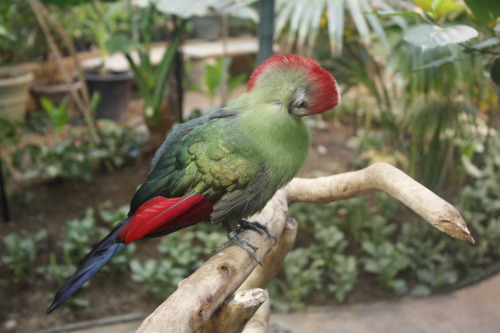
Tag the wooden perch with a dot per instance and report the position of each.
(260, 278)
(236, 312)
(385, 177)
(259, 323)
(198, 297)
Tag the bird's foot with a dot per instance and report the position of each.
(256, 226)
(234, 239)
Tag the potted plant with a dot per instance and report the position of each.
(113, 84)
(50, 86)
(155, 84)
(14, 85)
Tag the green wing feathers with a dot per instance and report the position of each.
(206, 156)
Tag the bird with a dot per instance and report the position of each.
(224, 166)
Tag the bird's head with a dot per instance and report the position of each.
(296, 82)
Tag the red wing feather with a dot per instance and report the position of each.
(162, 215)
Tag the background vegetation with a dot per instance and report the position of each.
(421, 84)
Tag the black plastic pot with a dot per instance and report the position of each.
(207, 27)
(114, 89)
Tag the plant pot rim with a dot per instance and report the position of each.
(111, 76)
(19, 76)
(41, 86)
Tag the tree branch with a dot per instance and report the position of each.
(236, 312)
(259, 323)
(202, 293)
(385, 177)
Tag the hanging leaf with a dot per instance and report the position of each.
(6, 34)
(487, 43)
(393, 13)
(495, 72)
(429, 36)
(485, 11)
(120, 43)
(439, 8)
(438, 62)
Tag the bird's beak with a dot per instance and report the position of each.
(300, 112)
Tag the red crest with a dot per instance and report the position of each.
(325, 92)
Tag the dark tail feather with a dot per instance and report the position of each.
(95, 259)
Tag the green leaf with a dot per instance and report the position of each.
(393, 13)
(6, 34)
(439, 8)
(438, 62)
(485, 11)
(47, 105)
(487, 43)
(80, 301)
(119, 43)
(94, 101)
(470, 168)
(495, 72)
(399, 286)
(420, 290)
(435, 5)
(429, 36)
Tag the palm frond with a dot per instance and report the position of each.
(298, 22)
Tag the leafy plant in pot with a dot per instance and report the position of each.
(155, 84)
(102, 76)
(52, 87)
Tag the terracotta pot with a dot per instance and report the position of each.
(14, 85)
(54, 92)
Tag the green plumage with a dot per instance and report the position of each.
(237, 157)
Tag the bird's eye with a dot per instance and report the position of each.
(302, 104)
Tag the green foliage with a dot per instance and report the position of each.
(485, 11)
(495, 72)
(76, 153)
(373, 236)
(64, 3)
(322, 265)
(136, 35)
(9, 130)
(20, 253)
(80, 233)
(439, 8)
(428, 36)
(21, 39)
(58, 114)
(417, 96)
(302, 277)
(181, 254)
(300, 23)
(213, 80)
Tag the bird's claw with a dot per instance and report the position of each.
(247, 246)
(234, 239)
(256, 226)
